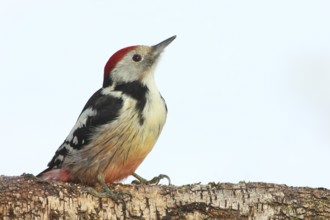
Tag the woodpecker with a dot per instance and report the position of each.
(118, 126)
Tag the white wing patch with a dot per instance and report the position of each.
(81, 122)
(75, 140)
(110, 91)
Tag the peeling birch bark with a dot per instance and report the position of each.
(26, 197)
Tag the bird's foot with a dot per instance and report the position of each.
(142, 181)
(108, 193)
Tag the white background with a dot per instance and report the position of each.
(246, 83)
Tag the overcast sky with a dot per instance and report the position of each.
(246, 84)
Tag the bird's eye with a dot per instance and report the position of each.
(136, 58)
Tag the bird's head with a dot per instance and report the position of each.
(134, 63)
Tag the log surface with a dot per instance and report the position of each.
(26, 197)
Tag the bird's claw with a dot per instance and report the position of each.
(108, 193)
(142, 181)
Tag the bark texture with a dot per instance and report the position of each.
(26, 197)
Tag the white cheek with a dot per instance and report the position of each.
(123, 75)
(126, 71)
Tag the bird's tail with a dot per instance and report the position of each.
(60, 174)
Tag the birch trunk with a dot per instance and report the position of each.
(26, 197)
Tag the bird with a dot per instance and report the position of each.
(118, 126)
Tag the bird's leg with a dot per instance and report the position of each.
(142, 181)
(115, 196)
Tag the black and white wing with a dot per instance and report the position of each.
(100, 109)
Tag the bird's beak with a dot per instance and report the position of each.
(158, 48)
